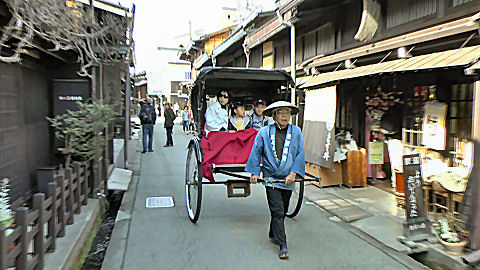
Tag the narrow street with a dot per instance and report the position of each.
(231, 233)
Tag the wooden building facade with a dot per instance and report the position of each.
(29, 94)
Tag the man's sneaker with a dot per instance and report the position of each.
(151, 150)
(283, 254)
(143, 152)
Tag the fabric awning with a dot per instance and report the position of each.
(445, 59)
(302, 80)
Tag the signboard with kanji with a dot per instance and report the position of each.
(417, 226)
(375, 153)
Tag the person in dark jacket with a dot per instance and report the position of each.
(147, 119)
(169, 118)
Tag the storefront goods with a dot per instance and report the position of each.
(343, 144)
(452, 180)
(433, 128)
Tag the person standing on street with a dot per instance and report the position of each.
(185, 120)
(279, 147)
(169, 118)
(147, 119)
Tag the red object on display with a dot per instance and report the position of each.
(223, 147)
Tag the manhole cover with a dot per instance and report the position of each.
(156, 202)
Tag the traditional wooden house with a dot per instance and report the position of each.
(43, 83)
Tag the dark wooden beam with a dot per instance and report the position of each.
(4, 10)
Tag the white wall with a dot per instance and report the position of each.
(161, 73)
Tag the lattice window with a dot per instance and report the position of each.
(459, 118)
(454, 3)
(404, 11)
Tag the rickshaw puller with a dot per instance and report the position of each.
(280, 147)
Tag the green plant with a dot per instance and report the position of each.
(6, 217)
(81, 130)
(450, 229)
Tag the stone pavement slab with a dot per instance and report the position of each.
(339, 207)
(119, 180)
(383, 228)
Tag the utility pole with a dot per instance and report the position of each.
(190, 29)
(128, 90)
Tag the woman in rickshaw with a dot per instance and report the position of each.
(279, 147)
(216, 117)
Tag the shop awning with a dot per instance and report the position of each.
(432, 33)
(302, 80)
(445, 59)
(475, 69)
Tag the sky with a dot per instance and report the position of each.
(159, 22)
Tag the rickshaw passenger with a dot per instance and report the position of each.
(216, 117)
(280, 147)
(258, 119)
(239, 120)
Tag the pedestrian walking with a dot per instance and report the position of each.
(147, 117)
(176, 108)
(185, 120)
(279, 147)
(169, 118)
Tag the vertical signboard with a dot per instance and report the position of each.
(66, 94)
(375, 153)
(416, 226)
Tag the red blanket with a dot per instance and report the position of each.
(226, 148)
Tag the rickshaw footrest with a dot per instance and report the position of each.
(236, 190)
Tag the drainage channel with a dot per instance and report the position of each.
(99, 246)
(436, 260)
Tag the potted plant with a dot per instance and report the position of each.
(6, 216)
(451, 234)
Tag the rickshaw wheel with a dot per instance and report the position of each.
(193, 184)
(298, 204)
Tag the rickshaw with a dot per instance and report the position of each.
(230, 156)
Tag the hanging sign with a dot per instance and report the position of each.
(319, 126)
(375, 153)
(433, 128)
(416, 227)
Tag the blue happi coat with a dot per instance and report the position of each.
(293, 156)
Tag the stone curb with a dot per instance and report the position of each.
(70, 247)
(115, 254)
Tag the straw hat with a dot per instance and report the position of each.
(280, 104)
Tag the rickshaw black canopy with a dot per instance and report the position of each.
(240, 82)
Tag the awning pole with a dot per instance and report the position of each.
(292, 54)
(292, 62)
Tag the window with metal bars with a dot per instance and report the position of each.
(455, 3)
(459, 116)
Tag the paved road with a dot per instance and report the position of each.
(231, 233)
